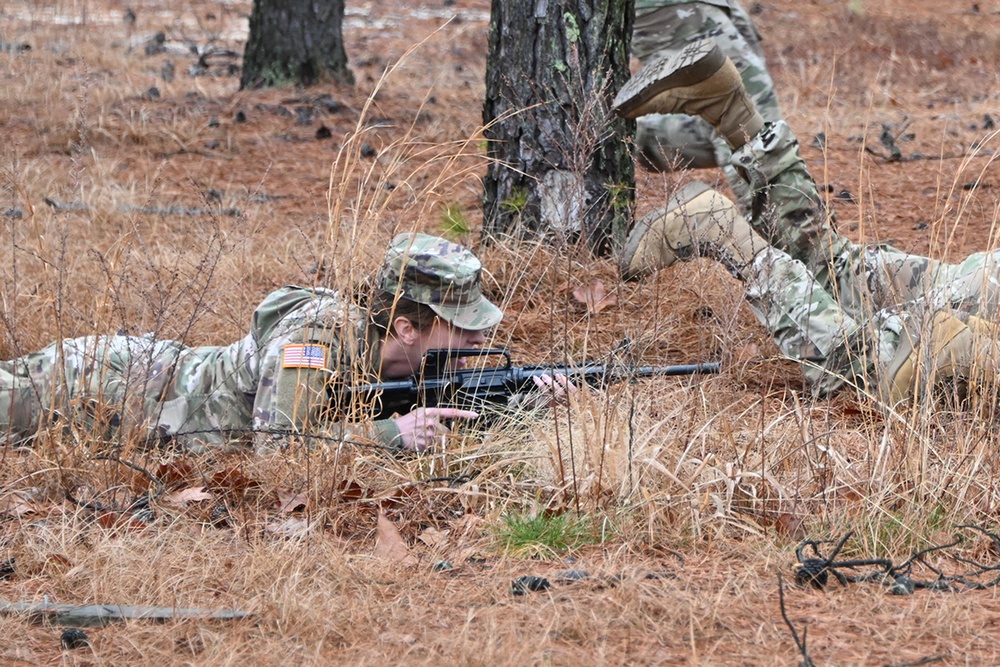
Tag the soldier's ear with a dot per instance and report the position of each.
(404, 331)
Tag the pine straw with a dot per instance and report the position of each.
(731, 471)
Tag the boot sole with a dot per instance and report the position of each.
(693, 64)
(643, 227)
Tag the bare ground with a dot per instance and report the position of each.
(749, 465)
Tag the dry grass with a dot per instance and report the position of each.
(730, 472)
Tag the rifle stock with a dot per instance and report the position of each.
(483, 388)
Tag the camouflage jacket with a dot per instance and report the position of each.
(277, 379)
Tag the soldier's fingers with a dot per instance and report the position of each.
(451, 413)
(566, 384)
(543, 381)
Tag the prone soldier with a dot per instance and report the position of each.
(303, 343)
(895, 321)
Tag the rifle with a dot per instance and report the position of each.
(481, 388)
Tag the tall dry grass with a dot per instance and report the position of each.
(731, 471)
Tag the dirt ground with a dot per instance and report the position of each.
(105, 127)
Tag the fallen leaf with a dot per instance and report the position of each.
(790, 525)
(433, 537)
(595, 297)
(389, 543)
(193, 494)
(292, 528)
(174, 472)
(349, 491)
(400, 496)
(289, 501)
(233, 481)
(19, 503)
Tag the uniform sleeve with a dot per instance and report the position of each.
(303, 357)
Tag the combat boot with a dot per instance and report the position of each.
(696, 220)
(698, 81)
(948, 349)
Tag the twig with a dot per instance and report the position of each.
(806, 660)
(100, 614)
(917, 663)
(146, 210)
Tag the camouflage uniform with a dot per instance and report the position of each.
(668, 142)
(278, 379)
(842, 308)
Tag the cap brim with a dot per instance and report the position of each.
(473, 317)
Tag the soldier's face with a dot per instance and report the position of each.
(443, 336)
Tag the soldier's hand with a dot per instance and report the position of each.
(555, 389)
(423, 427)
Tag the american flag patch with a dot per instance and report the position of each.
(297, 355)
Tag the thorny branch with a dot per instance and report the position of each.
(815, 570)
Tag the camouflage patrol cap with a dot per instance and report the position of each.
(440, 274)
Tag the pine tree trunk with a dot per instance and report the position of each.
(295, 42)
(560, 162)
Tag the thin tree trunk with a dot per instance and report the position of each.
(560, 161)
(295, 42)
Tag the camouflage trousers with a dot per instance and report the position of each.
(841, 308)
(673, 141)
(96, 384)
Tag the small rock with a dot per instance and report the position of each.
(213, 121)
(529, 584)
(155, 44)
(902, 586)
(845, 195)
(14, 213)
(212, 144)
(303, 115)
(129, 17)
(921, 225)
(7, 569)
(819, 140)
(703, 314)
(73, 638)
(152, 93)
(323, 132)
(214, 195)
(443, 566)
(988, 122)
(571, 576)
(167, 71)
(240, 117)
(368, 151)
(220, 516)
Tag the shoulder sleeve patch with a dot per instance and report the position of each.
(299, 355)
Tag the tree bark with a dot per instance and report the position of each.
(560, 160)
(295, 42)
